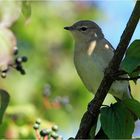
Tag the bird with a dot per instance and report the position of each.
(92, 54)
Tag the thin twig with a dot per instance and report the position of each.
(37, 134)
(131, 78)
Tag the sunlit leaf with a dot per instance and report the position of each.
(4, 103)
(135, 74)
(132, 58)
(117, 122)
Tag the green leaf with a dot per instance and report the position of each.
(132, 58)
(92, 132)
(26, 9)
(93, 129)
(101, 134)
(133, 105)
(134, 74)
(4, 96)
(117, 122)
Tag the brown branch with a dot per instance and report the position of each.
(89, 119)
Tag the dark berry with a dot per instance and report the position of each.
(24, 59)
(22, 71)
(18, 67)
(44, 132)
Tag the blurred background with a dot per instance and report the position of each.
(51, 89)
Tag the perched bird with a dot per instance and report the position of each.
(92, 55)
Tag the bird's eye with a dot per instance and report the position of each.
(83, 28)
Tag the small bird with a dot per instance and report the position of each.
(92, 55)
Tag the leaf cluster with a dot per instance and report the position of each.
(118, 120)
(131, 62)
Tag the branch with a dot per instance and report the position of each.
(89, 119)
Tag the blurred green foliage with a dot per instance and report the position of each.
(51, 89)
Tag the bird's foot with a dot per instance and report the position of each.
(119, 73)
(116, 74)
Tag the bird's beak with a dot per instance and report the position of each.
(70, 28)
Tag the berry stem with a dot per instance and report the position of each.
(45, 138)
(37, 134)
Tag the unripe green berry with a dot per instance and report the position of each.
(55, 128)
(3, 75)
(18, 59)
(38, 121)
(54, 135)
(15, 50)
(36, 126)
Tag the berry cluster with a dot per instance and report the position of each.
(46, 134)
(16, 64)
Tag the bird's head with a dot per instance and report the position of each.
(85, 30)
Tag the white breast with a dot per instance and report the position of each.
(88, 72)
(90, 64)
